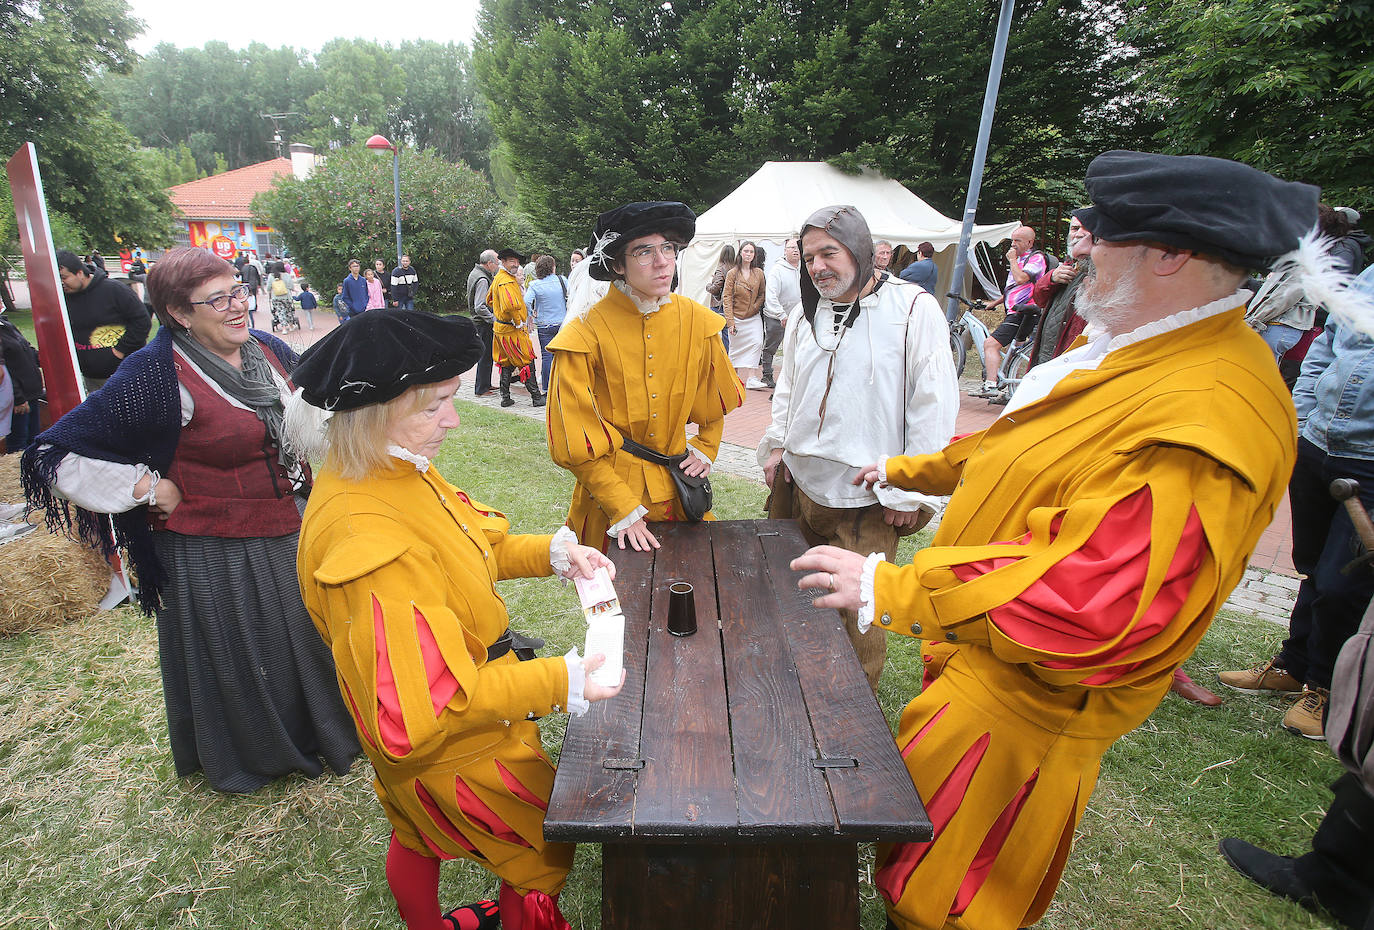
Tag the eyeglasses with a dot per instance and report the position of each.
(644, 255)
(220, 302)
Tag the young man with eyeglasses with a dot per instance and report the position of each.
(639, 365)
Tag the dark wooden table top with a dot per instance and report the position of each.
(759, 727)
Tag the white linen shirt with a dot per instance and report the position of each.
(893, 392)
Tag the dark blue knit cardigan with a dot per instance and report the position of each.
(133, 419)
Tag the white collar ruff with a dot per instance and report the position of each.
(419, 461)
(644, 305)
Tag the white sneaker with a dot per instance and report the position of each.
(756, 384)
(10, 512)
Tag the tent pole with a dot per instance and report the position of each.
(980, 154)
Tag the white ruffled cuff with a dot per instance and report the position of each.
(699, 454)
(559, 560)
(882, 468)
(634, 517)
(577, 683)
(866, 598)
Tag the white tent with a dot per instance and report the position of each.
(772, 204)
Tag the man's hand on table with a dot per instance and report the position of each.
(640, 539)
(833, 570)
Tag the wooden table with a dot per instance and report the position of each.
(733, 777)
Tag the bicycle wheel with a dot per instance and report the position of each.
(1015, 367)
(957, 334)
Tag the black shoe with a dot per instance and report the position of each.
(507, 402)
(1275, 873)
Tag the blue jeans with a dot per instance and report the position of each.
(1330, 603)
(546, 334)
(1280, 338)
(23, 428)
(407, 304)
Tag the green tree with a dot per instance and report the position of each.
(344, 210)
(360, 88)
(214, 99)
(440, 108)
(1285, 85)
(92, 172)
(597, 104)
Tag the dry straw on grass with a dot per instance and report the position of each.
(48, 579)
(11, 491)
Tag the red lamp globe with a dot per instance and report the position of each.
(379, 142)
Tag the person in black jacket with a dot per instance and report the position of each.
(21, 360)
(108, 320)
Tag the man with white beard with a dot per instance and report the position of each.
(866, 372)
(1093, 532)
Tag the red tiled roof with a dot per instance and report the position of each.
(227, 196)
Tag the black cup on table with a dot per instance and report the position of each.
(682, 609)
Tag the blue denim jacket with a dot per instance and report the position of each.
(1334, 395)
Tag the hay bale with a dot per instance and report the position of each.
(11, 491)
(49, 580)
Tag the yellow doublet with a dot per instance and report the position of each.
(1195, 422)
(510, 342)
(649, 375)
(378, 556)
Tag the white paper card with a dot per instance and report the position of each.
(606, 635)
(605, 626)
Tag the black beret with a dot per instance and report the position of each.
(377, 356)
(1210, 205)
(669, 218)
(510, 253)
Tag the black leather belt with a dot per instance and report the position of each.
(523, 646)
(499, 648)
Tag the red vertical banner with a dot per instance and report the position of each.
(56, 350)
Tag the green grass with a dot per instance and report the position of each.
(23, 319)
(96, 830)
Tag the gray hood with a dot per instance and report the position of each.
(848, 226)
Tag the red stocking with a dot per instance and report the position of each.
(414, 881)
(533, 910)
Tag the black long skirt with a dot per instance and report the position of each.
(249, 684)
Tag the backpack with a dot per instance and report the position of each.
(278, 287)
(1051, 262)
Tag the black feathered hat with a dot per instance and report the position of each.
(382, 353)
(510, 253)
(615, 229)
(1210, 205)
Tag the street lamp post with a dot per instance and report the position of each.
(980, 154)
(381, 142)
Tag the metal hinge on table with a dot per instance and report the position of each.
(843, 762)
(623, 765)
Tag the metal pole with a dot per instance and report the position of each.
(980, 155)
(396, 186)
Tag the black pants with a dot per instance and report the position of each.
(482, 380)
(1340, 869)
(772, 338)
(1330, 604)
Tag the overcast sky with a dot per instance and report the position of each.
(305, 24)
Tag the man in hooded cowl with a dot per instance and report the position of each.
(867, 372)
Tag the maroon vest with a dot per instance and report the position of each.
(227, 469)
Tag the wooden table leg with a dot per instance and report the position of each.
(702, 885)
